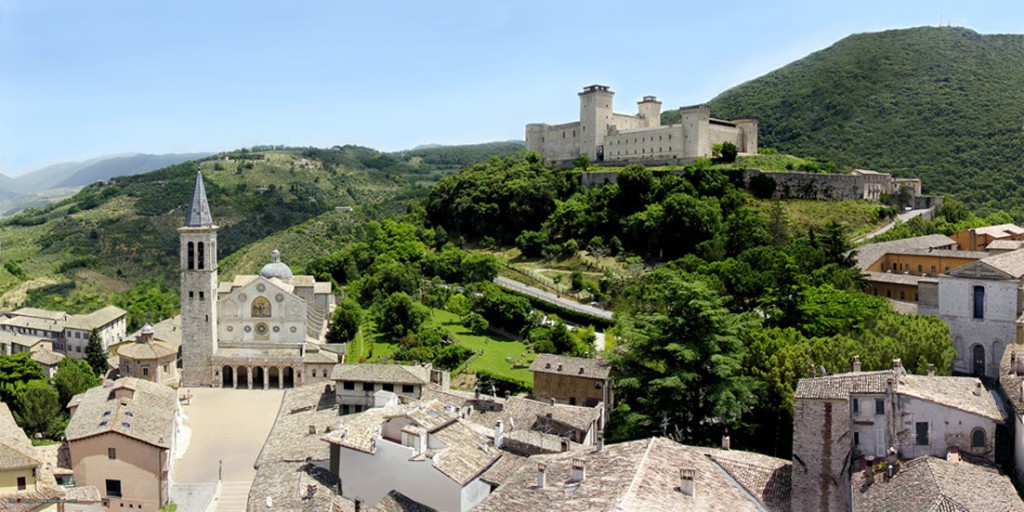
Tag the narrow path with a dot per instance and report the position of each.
(903, 217)
(551, 298)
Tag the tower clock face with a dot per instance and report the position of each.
(261, 329)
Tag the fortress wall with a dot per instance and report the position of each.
(806, 185)
(658, 143)
(628, 122)
(720, 134)
(557, 142)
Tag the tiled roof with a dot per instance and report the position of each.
(25, 340)
(387, 373)
(1010, 380)
(29, 322)
(767, 478)
(287, 485)
(575, 366)
(290, 438)
(47, 357)
(1004, 245)
(839, 386)
(40, 313)
(1000, 230)
(964, 393)
(929, 484)
(525, 413)
(868, 254)
(468, 454)
(96, 319)
(395, 501)
(637, 475)
(1011, 263)
(148, 416)
(895, 278)
(504, 468)
(148, 350)
(15, 448)
(168, 331)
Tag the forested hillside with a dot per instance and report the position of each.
(944, 104)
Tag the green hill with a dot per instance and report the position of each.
(117, 234)
(941, 103)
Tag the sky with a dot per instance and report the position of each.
(81, 79)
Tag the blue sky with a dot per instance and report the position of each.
(80, 79)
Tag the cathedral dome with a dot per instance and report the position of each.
(276, 269)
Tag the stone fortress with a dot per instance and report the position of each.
(257, 331)
(610, 137)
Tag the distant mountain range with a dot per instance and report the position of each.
(52, 182)
(78, 174)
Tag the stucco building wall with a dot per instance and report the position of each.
(142, 469)
(821, 454)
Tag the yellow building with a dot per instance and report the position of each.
(977, 239)
(19, 467)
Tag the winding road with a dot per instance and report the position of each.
(551, 298)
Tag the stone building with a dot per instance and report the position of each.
(979, 239)
(68, 333)
(122, 437)
(610, 137)
(840, 419)
(572, 380)
(654, 474)
(149, 358)
(356, 384)
(256, 331)
(931, 483)
(981, 302)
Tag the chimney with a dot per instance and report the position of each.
(542, 475)
(552, 401)
(931, 369)
(725, 441)
(856, 364)
(559, 366)
(978, 389)
(686, 485)
(579, 470)
(358, 505)
(499, 434)
(566, 444)
(600, 441)
(897, 364)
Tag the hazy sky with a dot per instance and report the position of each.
(80, 79)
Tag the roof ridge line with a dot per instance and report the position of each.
(636, 476)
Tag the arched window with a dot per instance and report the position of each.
(978, 439)
(202, 256)
(191, 256)
(260, 307)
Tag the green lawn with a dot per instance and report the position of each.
(495, 351)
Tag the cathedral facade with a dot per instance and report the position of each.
(256, 331)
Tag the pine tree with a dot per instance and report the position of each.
(95, 354)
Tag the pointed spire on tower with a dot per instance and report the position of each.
(198, 213)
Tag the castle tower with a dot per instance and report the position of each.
(198, 290)
(595, 117)
(696, 121)
(650, 109)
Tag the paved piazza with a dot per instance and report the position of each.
(228, 425)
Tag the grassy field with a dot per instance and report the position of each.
(858, 217)
(494, 352)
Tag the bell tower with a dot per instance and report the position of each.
(198, 249)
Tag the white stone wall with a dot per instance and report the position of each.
(555, 142)
(370, 477)
(993, 332)
(660, 142)
(285, 325)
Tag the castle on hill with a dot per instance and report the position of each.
(256, 331)
(610, 137)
